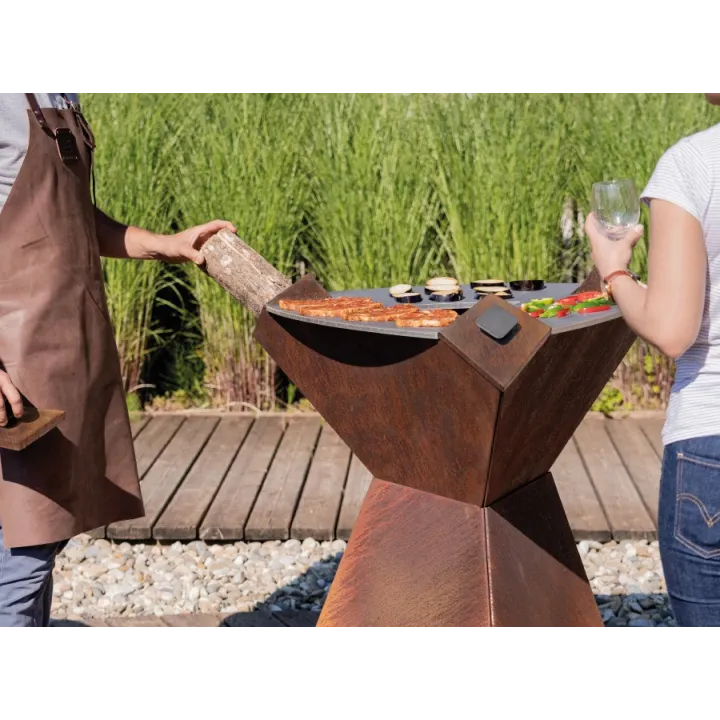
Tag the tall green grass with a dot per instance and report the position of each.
(369, 190)
(373, 206)
(139, 138)
(501, 167)
(244, 165)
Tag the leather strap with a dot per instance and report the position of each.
(32, 101)
(88, 136)
(82, 122)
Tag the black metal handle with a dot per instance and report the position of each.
(498, 324)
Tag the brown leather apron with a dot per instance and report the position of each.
(57, 346)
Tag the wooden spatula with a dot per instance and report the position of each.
(21, 432)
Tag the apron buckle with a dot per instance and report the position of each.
(66, 145)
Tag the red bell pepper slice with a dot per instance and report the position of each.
(536, 313)
(569, 301)
(593, 309)
(588, 295)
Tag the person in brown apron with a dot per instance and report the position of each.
(57, 350)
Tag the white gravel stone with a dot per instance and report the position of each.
(95, 578)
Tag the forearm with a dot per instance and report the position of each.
(653, 316)
(631, 298)
(116, 240)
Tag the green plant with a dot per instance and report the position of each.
(501, 165)
(372, 205)
(291, 393)
(610, 400)
(133, 402)
(365, 190)
(138, 140)
(245, 165)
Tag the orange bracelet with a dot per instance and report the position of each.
(618, 273)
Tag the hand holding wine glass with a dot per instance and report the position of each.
(616, 207)
(612, 237)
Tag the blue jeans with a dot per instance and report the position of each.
(689, 529)
(26, 584)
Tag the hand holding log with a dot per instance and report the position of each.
(245, 274)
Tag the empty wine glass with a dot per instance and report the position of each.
(616, 207)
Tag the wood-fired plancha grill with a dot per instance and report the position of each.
(462, 524)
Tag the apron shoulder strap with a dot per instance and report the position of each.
(33, 103)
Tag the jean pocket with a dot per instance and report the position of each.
(697, 510)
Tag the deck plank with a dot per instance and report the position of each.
(640, 459)
(164, 477)
(623, 506)
(652, 427)
(582, 507)
(148, 451)
(219, 493)
(272, 515)
(154, 439)
(186, 509)
(319, 504)
(231, 508)
(137, 423)
(358, 482)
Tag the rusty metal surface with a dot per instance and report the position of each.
(412, 410)
(416, 559)
(413, 559)
(536, 574)
(547, 401)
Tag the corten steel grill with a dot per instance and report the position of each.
(462, 524)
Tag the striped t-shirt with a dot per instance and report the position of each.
(688, 175)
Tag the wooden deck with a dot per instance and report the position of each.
(236, 477)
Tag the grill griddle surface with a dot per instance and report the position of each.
(553, 290)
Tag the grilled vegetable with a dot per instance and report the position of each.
(541, 304)
(475, 284)
(593, 309)
(555, 311)
(408, 297)
(445, 296)
(400, 289)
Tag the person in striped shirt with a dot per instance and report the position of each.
(679, 312)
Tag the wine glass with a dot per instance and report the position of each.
(616, 207)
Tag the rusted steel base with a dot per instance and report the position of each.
(418, 559)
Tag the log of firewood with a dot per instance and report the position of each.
(244, 273)
(592, 283)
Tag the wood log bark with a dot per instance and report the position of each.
(244, 273)
(592, 283)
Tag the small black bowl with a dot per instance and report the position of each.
(527, 285)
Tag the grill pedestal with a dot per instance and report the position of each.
(417, 559)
